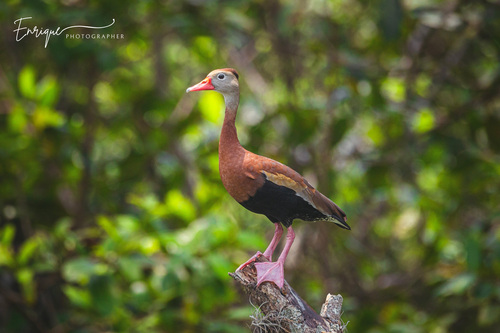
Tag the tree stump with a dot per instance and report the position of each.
(284, 310)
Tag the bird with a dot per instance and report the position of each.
(262, 185)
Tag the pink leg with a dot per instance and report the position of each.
(278, 231)
(274, 271)
(268, 253)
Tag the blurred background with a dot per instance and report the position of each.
(112, 214)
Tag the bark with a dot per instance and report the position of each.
(284, 310)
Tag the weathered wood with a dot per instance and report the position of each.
(284, 310)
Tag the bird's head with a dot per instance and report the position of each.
(223, 80)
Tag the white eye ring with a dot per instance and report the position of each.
(221, 76)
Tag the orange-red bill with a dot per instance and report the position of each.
(206, 84)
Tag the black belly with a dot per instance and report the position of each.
(281, 204)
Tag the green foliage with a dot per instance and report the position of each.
(112, 214)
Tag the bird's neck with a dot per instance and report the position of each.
(228, 136)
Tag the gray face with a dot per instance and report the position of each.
(224, 82)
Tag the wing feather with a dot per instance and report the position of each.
(283, 175)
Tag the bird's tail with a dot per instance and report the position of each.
(330, 208)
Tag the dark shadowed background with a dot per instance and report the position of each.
(112, 214)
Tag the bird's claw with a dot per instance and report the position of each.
(270, 271)
(249, 261)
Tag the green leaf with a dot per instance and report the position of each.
(457, 285)
(47, 91)
(108, 226)
(6, 251)
(79, 270)
(131, 268)
(376, 134)
(423, 121)
(78, 296)
(7, 234)
(6, 257)
(178, 205)
(428, 178)
(101, 293)
(211, 105)
(248, 239)
(220, 265)
(394, 89)
(206, 46)
(27, 84)
(473, 251)
(18, 118)
(28, 249)
(46, 117)
(25, 278)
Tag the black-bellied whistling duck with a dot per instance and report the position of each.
(263, 185)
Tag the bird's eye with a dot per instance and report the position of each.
(221, 76)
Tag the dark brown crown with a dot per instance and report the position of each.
(232, 70)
